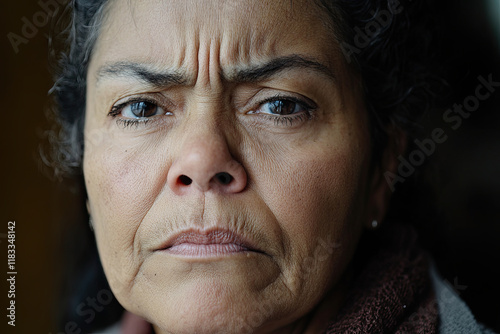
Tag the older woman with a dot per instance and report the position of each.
(239, 157)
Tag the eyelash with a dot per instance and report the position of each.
(289, 120)
(116, 110)
(279, 120)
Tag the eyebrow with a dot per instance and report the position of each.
(265, 71)
(251, 74)
(141, 72)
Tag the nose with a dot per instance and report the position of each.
(206, 164)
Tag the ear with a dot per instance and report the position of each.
(381, 188)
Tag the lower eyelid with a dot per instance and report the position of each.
(289, 120)
(129, 122)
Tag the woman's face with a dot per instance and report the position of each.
(226, 162)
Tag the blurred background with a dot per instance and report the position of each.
(455, 199)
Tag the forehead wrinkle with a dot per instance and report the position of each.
(264, 36)
(239, 73)
(239, 47)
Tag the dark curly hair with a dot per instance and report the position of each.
(387, 43)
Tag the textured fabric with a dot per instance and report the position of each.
(392, 290)
(455, 317)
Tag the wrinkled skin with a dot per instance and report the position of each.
(301, 186)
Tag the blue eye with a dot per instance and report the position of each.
(141, 109)
(136, 111)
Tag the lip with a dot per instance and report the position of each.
(210, 243)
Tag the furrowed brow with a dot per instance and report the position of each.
(254, 73)
(142, 73)
(265, 71)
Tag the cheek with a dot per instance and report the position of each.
(319, 202)
(122, 185)
(318, 195)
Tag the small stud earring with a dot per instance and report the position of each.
(374, 224)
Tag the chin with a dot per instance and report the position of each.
(203, 305)
(211, 311)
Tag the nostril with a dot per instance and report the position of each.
(224, 178)
(185, 180)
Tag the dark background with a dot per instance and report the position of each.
(455, 199)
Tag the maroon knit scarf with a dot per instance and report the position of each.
(391, 291)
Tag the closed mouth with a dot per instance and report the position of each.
(215, 242)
